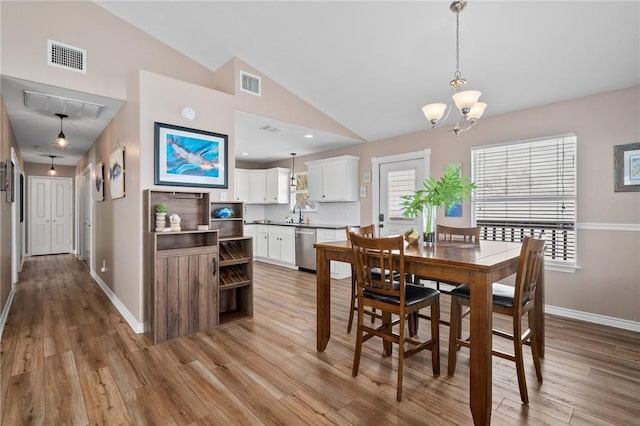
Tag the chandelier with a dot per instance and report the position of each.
(293, 184)
(61, 143)
(466, 101)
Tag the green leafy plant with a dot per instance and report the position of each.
(450, 189)
(161, 208)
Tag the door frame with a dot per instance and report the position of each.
(81, 193)
(425, 155)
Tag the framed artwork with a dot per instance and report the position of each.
(626, 168)
(366, 177)
(98, 183)
(190, 157)
(116, 173)
(456, 209)
(11, 182)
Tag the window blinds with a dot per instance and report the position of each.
(526, 188)
(400, 183)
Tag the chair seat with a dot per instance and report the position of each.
(413, 294)
(502, 294)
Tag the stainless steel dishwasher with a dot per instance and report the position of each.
(305, 253)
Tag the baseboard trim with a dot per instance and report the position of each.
(594, 318)
(5, 312)
(136, 326)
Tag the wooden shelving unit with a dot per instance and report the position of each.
(181, 268)
(235, 282)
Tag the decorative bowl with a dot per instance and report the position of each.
(223, 212)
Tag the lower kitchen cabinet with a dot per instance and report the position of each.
(277, 244)
(338, 269)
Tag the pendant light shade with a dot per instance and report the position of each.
(61, 143)
(293, 183)
(52, 170)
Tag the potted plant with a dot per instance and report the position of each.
(161, 219)
(445, 192)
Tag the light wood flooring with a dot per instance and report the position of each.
(69, 358)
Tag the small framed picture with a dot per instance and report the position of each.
(366, 177)
(363, 191)
(626, 167)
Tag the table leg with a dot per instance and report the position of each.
(323, 300)
(481, 340)
(539, 311)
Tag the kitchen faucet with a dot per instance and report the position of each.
(299, 206)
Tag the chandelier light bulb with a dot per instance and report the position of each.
(466, 100)
(476, 111)
(434, 112)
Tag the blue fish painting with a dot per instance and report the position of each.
(115, 170)
(192, 157)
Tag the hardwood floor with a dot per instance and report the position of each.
(68, 357)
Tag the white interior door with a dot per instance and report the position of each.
(50, 216)
(397, 176)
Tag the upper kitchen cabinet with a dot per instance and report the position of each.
(270, 186)
(333, 179)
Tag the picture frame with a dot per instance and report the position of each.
(456, 209)
(3, 176)
(626, 167)
(117, 173)
(98, 182)
(190, 157)
(11, 182)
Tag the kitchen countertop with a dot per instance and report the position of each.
(302, 225)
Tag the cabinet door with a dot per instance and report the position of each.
(250, 231)
(315, 182)
(274, 246)
(334, 181)
(262, 244)
(271, 193)
(288, 249)
(258, 187)
(243, 186)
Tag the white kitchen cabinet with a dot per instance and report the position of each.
(270, 186)
(282, 245)
(333, 179)
(251, 231)
(242, 186)
(338, 269)
(262, 242)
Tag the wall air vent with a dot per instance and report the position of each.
(271, 129)
(249, 83)
(67, 57)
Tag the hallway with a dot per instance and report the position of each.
(68, 357)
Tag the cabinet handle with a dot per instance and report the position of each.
(215, 265)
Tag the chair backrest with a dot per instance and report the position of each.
(365, 231)
(378, 253)
(450, 233)
(529, 270)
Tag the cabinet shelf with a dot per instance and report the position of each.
(234, 274)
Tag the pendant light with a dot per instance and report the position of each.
(61, 143)
(52, 170)
(466, 101)
(293, 183)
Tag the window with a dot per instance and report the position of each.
(525, 188)
(301, 193)
(400, 183)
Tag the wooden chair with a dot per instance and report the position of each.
(370, 232)
(528, 273)
(450, 233)
(391, 297)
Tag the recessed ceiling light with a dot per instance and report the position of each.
(308, 136)
(245, 153)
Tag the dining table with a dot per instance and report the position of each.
(477, 264)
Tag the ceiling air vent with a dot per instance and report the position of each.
(67, 57)
(249, 83)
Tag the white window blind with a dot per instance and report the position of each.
(526, 188)
(400, 183)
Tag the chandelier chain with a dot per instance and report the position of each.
(457, 73)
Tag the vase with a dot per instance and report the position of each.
(161, 221)
(429, 225)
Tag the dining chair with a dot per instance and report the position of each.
(370, 232)
(391, 297)
(514, 301)
(452, 234)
